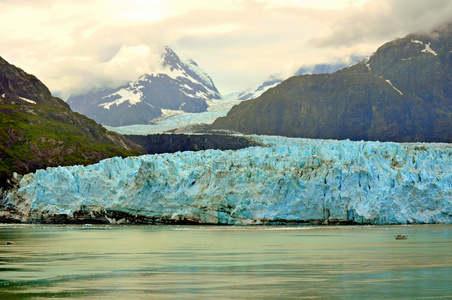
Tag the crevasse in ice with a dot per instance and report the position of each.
(287, 180)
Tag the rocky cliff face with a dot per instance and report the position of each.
(403, 92)
(38, 130)
(170, 143)
(15, 82)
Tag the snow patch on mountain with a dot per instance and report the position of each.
(366, 63)
(193, 66)
(427, 48)
(25, 99)
(130, 94)
(388, 81)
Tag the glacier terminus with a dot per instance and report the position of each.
(285, 181)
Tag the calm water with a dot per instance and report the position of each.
(193, 262)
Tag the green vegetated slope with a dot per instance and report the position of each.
(403, 92)
(38, 130)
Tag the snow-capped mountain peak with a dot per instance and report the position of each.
(255, 92)
(178, 84)
(183, 66)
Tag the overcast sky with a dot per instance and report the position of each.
(75, 45)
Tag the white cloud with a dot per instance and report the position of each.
(71, 73)
(132, 61)
(211, 30)
(385, 20)
(76, 45)
(317, 4)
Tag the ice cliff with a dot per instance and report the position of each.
(290, 180)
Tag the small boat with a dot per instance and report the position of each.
(401, 237)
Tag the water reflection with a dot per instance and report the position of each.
(226, 262)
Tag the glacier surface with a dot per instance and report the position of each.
(216, 109)
(287, 180)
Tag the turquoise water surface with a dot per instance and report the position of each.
(206, 262)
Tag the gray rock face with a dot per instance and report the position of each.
(15, 82)
(179, 85)
(171, 143)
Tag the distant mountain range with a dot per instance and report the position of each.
(38, 130)
(403, 92)
(179, 85)
(252, 93)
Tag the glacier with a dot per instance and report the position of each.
(179, 119)
(282, 182)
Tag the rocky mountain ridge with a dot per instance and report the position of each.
(38, 130)
(403, 92)
(274, 80)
